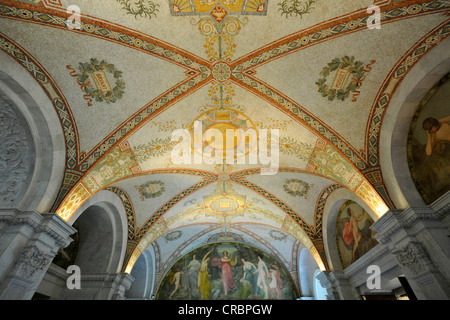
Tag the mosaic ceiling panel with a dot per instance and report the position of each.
(306, 82)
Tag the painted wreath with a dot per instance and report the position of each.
(174, 235)
(356, 69)
(297, 193)
(147, 195)
(87, 68)
(277, 235)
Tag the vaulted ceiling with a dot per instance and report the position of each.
(134, 71)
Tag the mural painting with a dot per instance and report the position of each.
(354, 237)
(428, 146)
(227, 271)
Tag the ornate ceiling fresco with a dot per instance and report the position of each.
(131, 73)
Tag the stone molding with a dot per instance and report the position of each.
(395, 220)
(101, 287)
(48, 223)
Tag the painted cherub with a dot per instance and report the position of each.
(437, 130)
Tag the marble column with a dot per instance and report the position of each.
(28, 243)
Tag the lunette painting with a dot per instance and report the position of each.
(428, 146)
(354, 236)
(227, 271)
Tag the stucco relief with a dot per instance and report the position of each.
(31, 261)
(16, 154)
(413, 257)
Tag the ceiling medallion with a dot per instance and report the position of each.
(221, 71)
(229, 122)
(223, 177)
(224, 204)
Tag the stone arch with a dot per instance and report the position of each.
(102, 225)
(307, 266)
(335, 200)
(144, 274)
(395, 128)
(21, 90)
(320, 293)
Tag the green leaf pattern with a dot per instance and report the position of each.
(356, 69)
(87, 68)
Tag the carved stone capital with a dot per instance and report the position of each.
(48, 223)
(414, 258)
(30, 261)
(123, 283)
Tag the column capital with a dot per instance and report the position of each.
(33, 241)
(30, 261)
(49, 223)
(395, 221)
(418, 239)
(414, 258)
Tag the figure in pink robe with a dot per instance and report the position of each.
(224, 263)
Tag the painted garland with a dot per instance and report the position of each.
(295, 7)
(140, 8)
